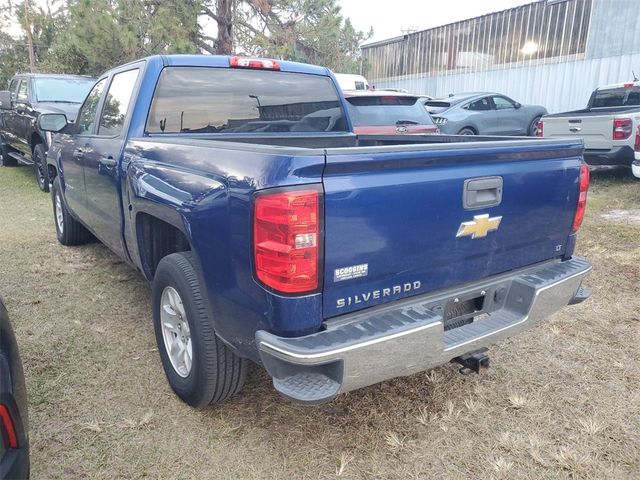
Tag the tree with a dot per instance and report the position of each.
(14, 52)
(91, 36)
(13, 58)
(104, 33)
(312, 31)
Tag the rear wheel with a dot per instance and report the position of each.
(40, 166)
(68, 230)
(467, 131)
(533, 128)
(201, 368)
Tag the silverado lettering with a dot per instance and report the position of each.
(376, 294)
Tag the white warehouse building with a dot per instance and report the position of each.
(550, 52)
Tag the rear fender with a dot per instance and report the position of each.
(166, 194)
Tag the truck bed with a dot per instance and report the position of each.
(394, 203)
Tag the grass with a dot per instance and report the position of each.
(560, 401)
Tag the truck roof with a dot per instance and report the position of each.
(222, 61)
(52, 75)
(619, 85)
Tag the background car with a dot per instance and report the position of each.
(609, 126)
(14, 439)
(388, 113)
(30, 95)
(484, 113)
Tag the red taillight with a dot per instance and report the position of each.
(286, 240)
(582, 197)
(636, 144)
(246, 62)
(7, 424)
(622, 128)
(539, 128)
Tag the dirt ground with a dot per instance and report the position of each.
(560, 401)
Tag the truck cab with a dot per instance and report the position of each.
(28, 96)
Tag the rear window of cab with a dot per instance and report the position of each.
(223, 100)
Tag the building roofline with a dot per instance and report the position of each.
(398, 38)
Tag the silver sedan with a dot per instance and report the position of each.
(484, 113)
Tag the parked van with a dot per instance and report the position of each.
(348, 81)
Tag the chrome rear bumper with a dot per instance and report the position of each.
(408, 336)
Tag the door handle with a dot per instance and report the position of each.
(482, 192)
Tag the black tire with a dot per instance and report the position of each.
(533, 128)
(7, 161)
(467, 131)
(40, 167)
(216, 372)
(69, 231)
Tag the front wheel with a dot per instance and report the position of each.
(40, 164)
(533, 128)
(201, 368)
(68, 230)
(466, 131)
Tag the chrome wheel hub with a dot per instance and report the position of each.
(175, 331)
(59, 216)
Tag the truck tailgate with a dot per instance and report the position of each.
(595, 130)
(394, 216)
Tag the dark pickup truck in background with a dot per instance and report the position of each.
(29, 95)
(271, 232)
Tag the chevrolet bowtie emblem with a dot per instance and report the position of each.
(479, 226)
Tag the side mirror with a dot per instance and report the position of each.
(517, 105)
(5, 100)
(52, 122)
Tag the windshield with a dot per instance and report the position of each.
(617, 97)
(393, 110)
(67, 90)
(226, 100)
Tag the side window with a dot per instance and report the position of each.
(481, 105)
(503, 103)
(13, 86)
(117, 102)
(87, 115)
(23, 91)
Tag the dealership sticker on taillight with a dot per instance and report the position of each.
(349, 273)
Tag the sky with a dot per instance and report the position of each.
(389, 22)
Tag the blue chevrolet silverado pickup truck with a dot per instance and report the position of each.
(271, 233)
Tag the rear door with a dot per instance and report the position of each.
(483, 113)
(101, 165)
(395, 216)
(14, 118)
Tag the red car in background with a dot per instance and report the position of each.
(388, 113)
